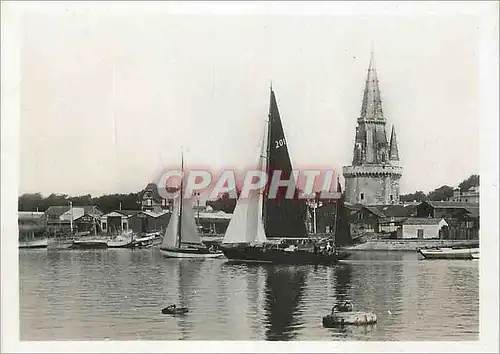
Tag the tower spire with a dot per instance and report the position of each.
(372, 104)
(393, 149)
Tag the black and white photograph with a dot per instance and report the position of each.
(249, 176)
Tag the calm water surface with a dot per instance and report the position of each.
(119, 294)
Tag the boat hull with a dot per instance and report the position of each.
(89, 245)
(115, 244)
(443, 253)
(189, 253)
(279, 256)
(144, 242)
(43, 243)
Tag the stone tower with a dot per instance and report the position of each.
(373, 177)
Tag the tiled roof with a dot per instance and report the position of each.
(354, 207)
(392, 219)
(450, 205)
(128, 212)
(153, 188)
(391, 210)
(95, 216)
(30, 215)
(394, 210)
(375, 210)
(56, 210)
(92, 209)
(422, 221)
(154, 214)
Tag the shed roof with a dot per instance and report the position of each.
(391, 210)
(423, 221)
(58, 210)
(30, 215)
(451, 205)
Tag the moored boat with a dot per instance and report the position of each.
(449, 253)
(89, 244)
(144, 242)
(257, 216)
(124, 240)
(36, 243)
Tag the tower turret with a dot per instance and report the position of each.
(393, 147)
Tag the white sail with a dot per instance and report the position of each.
(170, 237)
(246, 224)
(189, 230)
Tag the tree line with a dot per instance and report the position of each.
(442, 193)
(107, 203)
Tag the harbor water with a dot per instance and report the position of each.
(118, 294)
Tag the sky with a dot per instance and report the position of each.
(110, 95)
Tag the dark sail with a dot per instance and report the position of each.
(282, 217)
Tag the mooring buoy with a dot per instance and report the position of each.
(349, 318)
(342, 314)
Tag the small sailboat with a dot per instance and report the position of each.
(257, 216)
(181, 239)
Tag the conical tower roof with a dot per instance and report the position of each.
(393, 149)
(372, 104)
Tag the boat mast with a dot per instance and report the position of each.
(336, 222)
(71, 218)
(179, 223)
(267, 150)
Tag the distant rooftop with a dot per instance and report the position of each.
(28, 215)
(422, 221)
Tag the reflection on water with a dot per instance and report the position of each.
(119, 294)
(284, 287)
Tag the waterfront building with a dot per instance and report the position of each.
(139, 221)
(88, 222)
(60, 217)
(213, 222)
(423, 228)
(374, 220)
(373, 178)
(117, 221)
(469, 196)
(149, 221)
(462, 218)
(150, 199)
(30, 224)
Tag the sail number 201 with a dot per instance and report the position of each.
(280, 143)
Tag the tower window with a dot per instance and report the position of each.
(391, 197)
(362, 196)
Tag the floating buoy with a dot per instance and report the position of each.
(349, 318)
(342, 314)
(174, 310)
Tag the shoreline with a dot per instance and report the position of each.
(405, 245)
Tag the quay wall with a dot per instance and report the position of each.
(406, 245)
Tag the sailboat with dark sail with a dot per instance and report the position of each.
(181, 239)
(257, 217)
